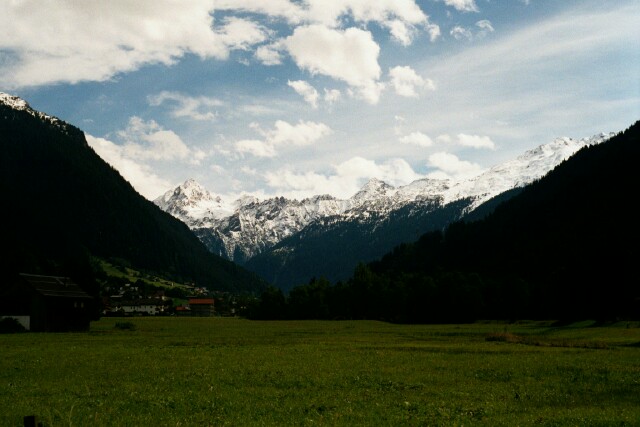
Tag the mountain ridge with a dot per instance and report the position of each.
(244, 229)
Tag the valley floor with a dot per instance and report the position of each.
(228, 371)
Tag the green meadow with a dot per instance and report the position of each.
(236, 372)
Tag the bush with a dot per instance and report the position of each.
(125, 326)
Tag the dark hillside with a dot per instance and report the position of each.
(62, 202)
(566, 246)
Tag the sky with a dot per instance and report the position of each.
(298, 98)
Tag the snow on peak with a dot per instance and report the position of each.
(523, 170)
(14, 102)
(248, 225)
(191, 201)
(373, 189)
(20, 104)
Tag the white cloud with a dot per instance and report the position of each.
(350, 55)
(72, 41)
(237, 33)
(269, 55)
(347, 178)
(434, 32)
(476, 141)
(331, 12)
(460, 33)
(464, 140)
(485, 25)
(139, 175)
(401, 32)
(149, 141)
(195, 108)
(485, 28)
(304, 89)
(407, 82)
(332, 95)
(255, 147)
(283, 134)
(303, 133)
(462, 5)
(449, 166)
(417, 138)
(274, 8)
(482, 29)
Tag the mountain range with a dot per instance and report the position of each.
(550, 234)
(289, 242)
(65, 206)
(564, 248)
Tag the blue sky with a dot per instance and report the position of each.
(305, 97)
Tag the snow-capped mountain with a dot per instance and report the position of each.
(191, 201)
(242, 229)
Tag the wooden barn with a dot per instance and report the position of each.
(201, 307)
(46, 303)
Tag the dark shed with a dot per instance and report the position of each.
(47, 303)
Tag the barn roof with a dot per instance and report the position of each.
(200, 301)
(52, 286)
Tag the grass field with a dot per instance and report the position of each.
(225, 371)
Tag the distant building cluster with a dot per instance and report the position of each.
(131, 300)
(57, 304)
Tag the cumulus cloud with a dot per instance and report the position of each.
(184, 106)
(238, 33)
(302, 133)
(331, 12)
(345, 180)
(464, 140)
(401, 32)
(417, 138)
(304, 89)
(434, 32)
(139, 175)
(283, 134)
(269, 54)
(449, 166)
(149, 141)
(406, 82)
(255, 147)
(462, 5)
(476, 141)
(350, 55)
(75, 41)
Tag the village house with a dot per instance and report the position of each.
(46, 303)
(201, 307)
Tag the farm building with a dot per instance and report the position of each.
(201, 307)
(46, 303)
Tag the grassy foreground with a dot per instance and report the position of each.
(223, 371)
